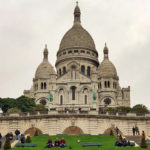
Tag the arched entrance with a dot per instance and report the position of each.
(73, 130)
(31, 131)
(107, 131)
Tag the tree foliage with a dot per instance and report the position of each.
(28, 140)
(139, 109)
(143, 143)
(122, 109)
(13, 110)
(7, 144)
(39, 107)
(23, 103)
(36, 133)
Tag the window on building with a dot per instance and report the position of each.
(61, 100)
(69, 52)
(114, 85)
(82, 51)
(88, 52)
(99, 85)
(85, 99)
(83, 69)
(73, 88)
(64, 70)
(42, 86)
(64, 53)
(60, 72)
(107, 101)
(105, 83)
(43, 102)
(88, 71)
(75, 51)
(108, 83)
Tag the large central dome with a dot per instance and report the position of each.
(77, 44)
(77, 36)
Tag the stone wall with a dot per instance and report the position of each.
(88, 124)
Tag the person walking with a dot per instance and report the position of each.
(117, 130)
(143, 134)
(17, 132)
(133, 130)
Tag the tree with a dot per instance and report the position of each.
(7, 144)
(36, 133)
(25, 104)
(28, 140)
(7, 103)
(139, 109)
(111, 132)
(143, 143)
(39, 107)
(13, 110)
(123, 109)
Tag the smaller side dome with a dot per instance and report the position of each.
(45, 69)
(107, 68)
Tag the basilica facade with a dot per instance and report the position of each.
(79, 75)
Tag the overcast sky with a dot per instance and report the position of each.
(27, 25)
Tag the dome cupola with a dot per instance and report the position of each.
(107, 68)
(77, 39)
(45, 69)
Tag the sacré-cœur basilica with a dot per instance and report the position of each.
(81, 82)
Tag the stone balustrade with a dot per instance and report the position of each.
(76, 112)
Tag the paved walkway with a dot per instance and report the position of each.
(137, 139)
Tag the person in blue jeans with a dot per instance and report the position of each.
(17, 132)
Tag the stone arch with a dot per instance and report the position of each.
(61, 87)
(85, 87)
(108, 130)
(38, 101)
(31, 131)
(73, 130)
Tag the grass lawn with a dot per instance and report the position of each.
(106, 140)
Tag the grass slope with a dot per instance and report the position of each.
(106, 140)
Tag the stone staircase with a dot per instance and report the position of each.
(137, 140)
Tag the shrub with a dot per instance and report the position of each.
(111, 133)
(7, 144)
(39, 107)
(143, 143)
(36, 133)
(28, 140)
(140, 109)
(120, 137)
(13, 110)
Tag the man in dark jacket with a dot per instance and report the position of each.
(57, 143)
(17, 132)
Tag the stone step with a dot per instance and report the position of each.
(137, 139)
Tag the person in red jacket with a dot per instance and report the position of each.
(62, 143)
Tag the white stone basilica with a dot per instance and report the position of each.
(79, 75)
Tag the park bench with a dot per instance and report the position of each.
(91, 144)
(43, 135)
(26, 145)
(132, 144)
(62, 134)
